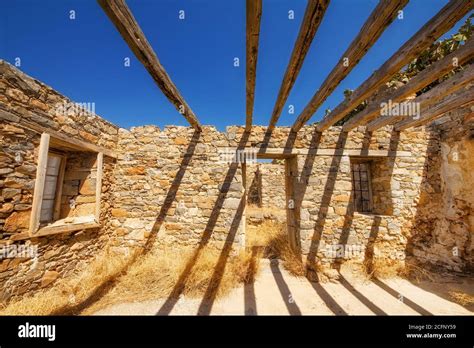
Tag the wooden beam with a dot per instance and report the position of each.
(423, 79)
(39, 183)
(254, 14)
(382, 121)
(313, 16)
(452, 93)
(444, 20)
(57, 137)
(123, 19)
(380, 18)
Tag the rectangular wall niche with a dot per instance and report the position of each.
(67, 188)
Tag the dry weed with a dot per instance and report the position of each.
(67, 295)
(462, 298)
(272, 237)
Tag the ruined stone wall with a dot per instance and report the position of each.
(272, 183)
(172, 184)
(444, 225)
(25, 101)
(187, 200)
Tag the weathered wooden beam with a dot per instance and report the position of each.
(39, 183)
(254, 14)
(122, 18)
(380, 18)
(436, 26)
(382, 121)
(452, 93)
(424, 78)
(313, 16)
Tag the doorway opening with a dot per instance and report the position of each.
(271, 213)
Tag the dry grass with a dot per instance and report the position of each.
(112, 279)
(159, 272)
(272, 237)
(384, 268)
(68, 294)
(462, 298)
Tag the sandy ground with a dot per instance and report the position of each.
(275, 292)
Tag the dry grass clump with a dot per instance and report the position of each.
(462, 298)
(172, 273)
(384, 268)
(271, 236)
(68, 295)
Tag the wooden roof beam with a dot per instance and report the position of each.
(433, 72)
(254, 14)
(313, 16)
(451, 94)
(444, 20)
(380, 18)
(122, 18)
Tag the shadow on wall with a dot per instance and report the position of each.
(211, 291)
(441, 236)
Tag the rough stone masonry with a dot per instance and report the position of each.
(171, 186)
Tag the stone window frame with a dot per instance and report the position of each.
(34, 229)
(368, 162)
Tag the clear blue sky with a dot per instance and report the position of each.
(84, 58)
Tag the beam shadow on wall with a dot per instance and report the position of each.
(173, 190)
(172, 299)
(325, 201)
(374, 231)
(421, 231)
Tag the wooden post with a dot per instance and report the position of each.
(292, 209)
(39, 183)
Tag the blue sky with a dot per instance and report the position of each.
(84, 58)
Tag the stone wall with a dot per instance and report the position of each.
(173, 184)
(444, 225)
(25, 101)
(187, 200)
(268, 179)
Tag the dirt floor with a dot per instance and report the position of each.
(275, 292)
